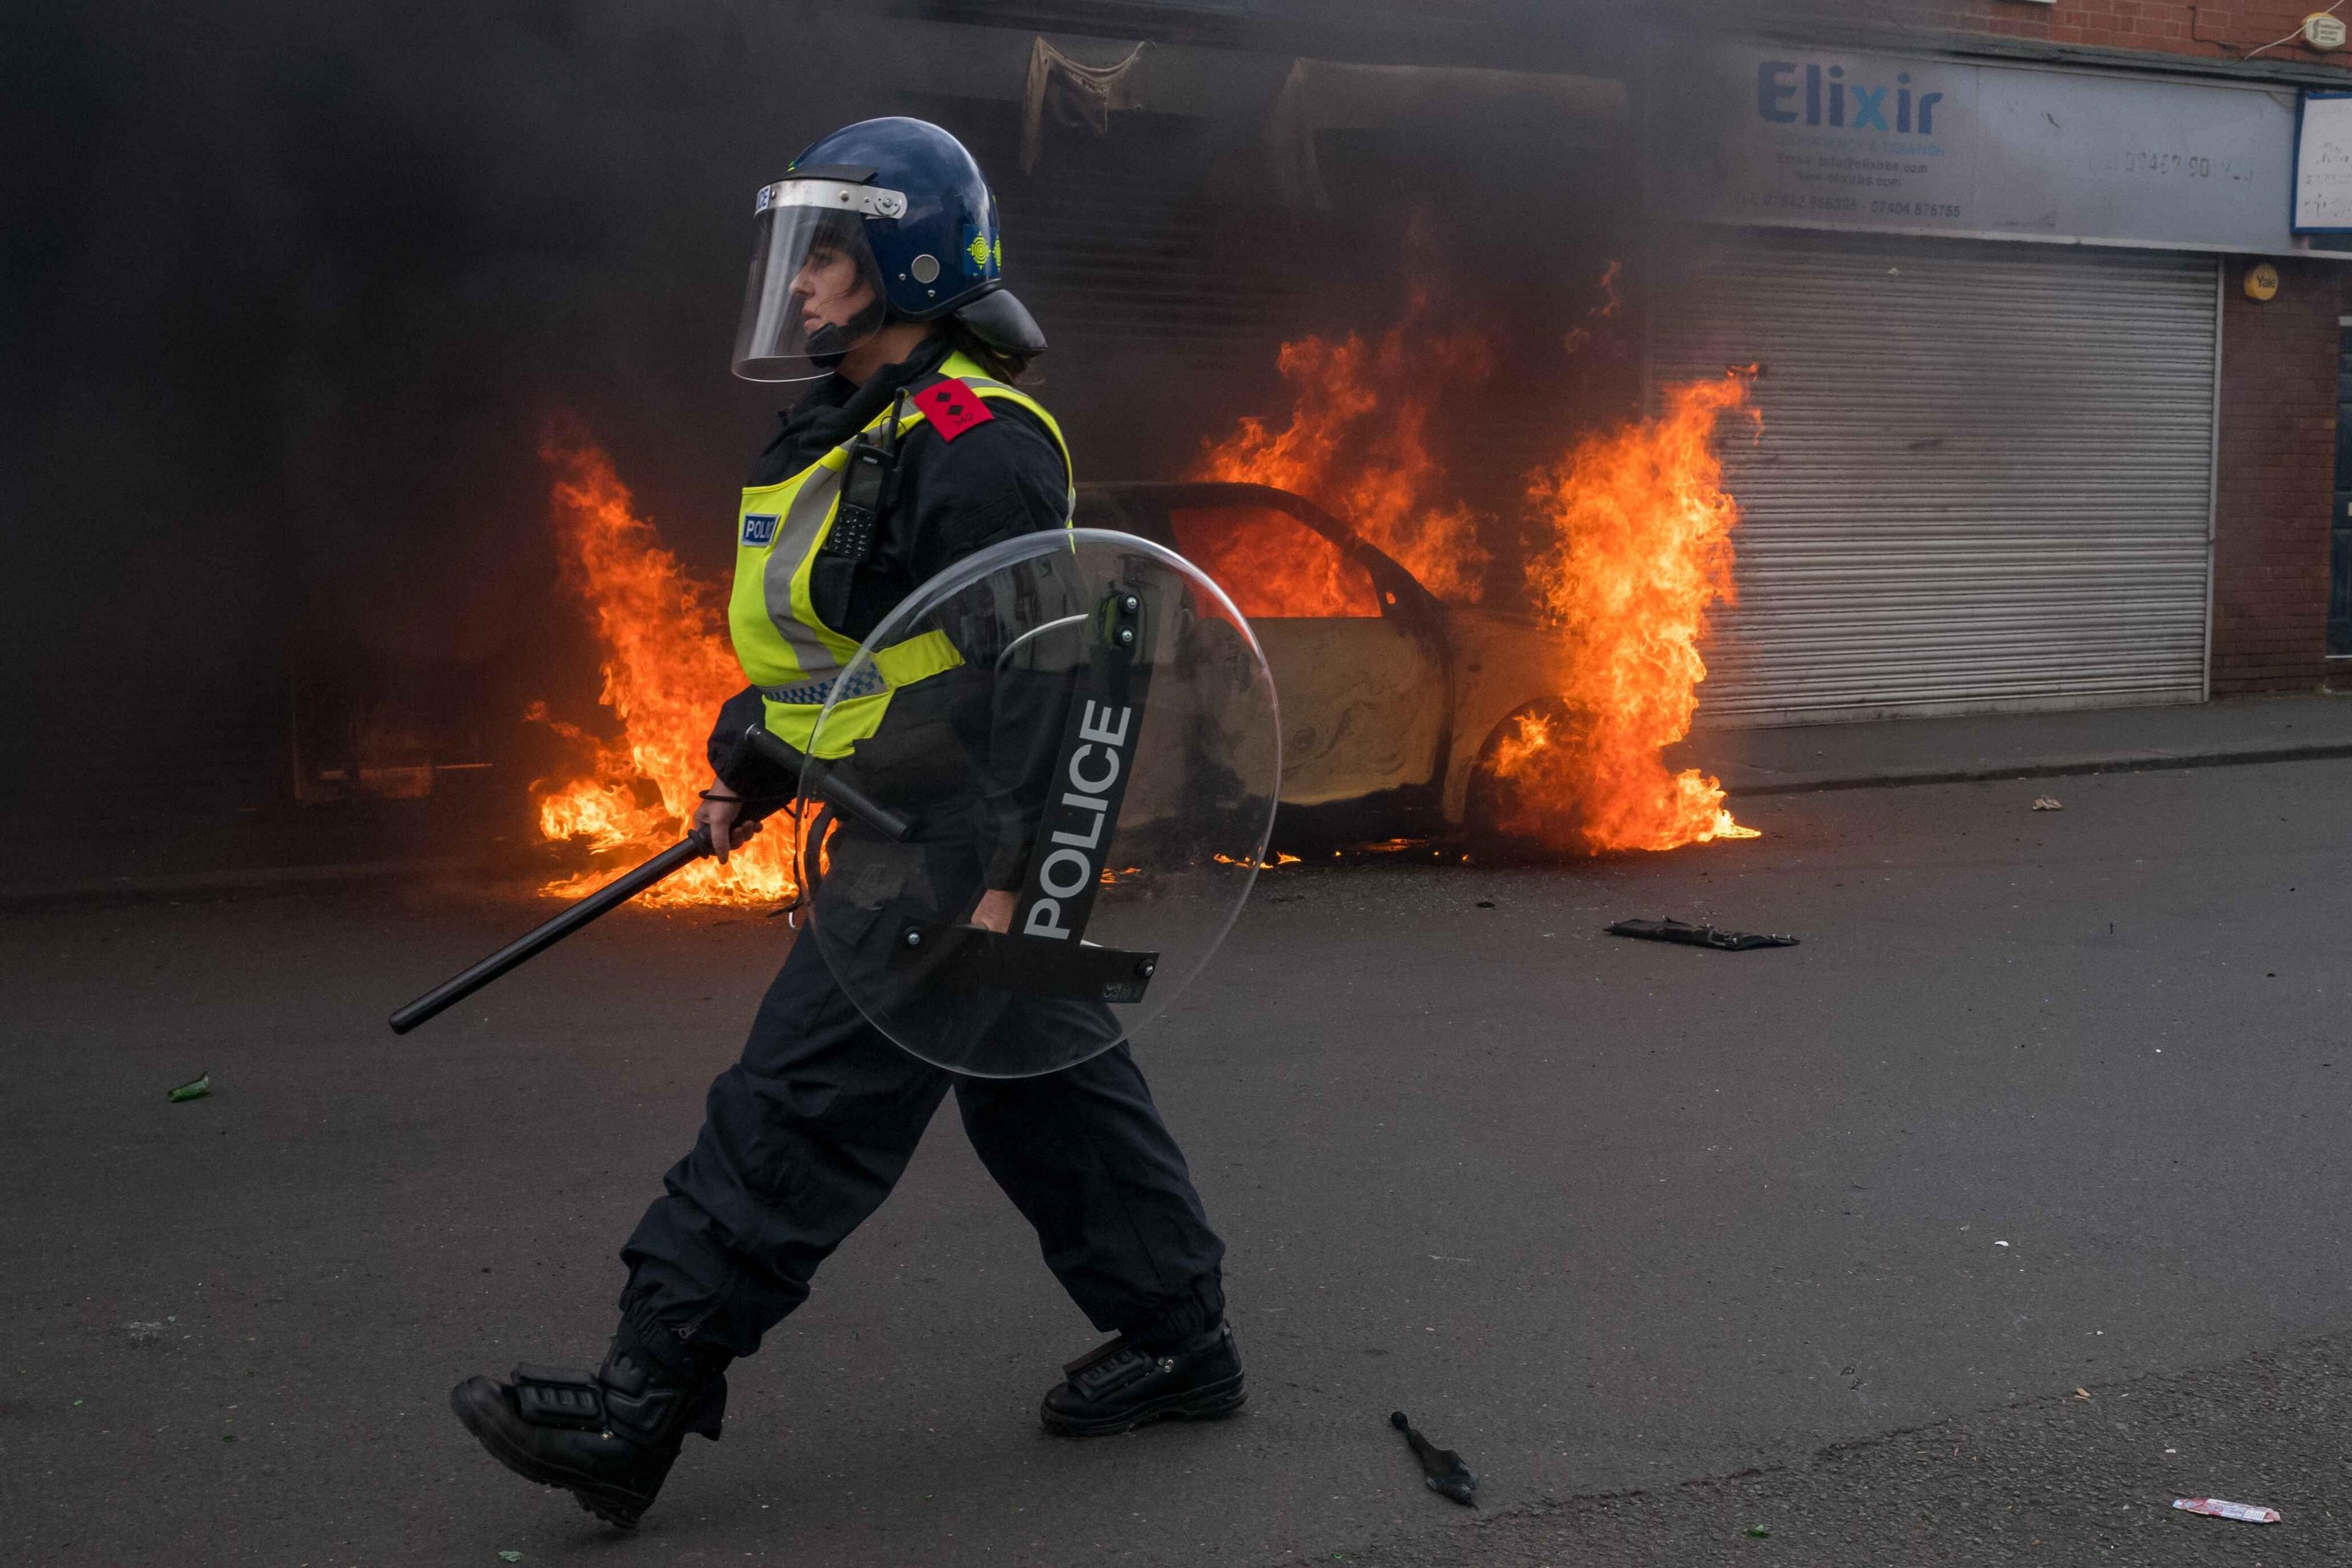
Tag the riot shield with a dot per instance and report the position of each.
(1078, 723)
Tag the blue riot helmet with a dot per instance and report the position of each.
(887, 219)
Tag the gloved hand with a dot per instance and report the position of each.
(716, 815)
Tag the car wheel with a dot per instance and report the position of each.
(1518, 810)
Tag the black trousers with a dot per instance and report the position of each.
(807, 1134)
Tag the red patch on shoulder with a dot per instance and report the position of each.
(952, 407)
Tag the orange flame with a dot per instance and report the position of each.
(1357, 444)
(1579, 338)
(1263, 863)
(1632, 544)
(1609, 300)
(1639, 547)
(668, 667)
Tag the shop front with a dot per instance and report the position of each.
(1987, 307)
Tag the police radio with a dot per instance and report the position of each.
(873, 456)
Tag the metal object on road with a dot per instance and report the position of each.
(1697, 936)
(1441, 1468)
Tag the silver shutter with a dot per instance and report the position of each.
(1983, 479)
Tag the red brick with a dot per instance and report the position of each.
(2274, 484)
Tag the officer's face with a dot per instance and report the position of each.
(831, 289)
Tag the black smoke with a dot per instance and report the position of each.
(289, 292)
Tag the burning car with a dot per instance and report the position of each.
(1393, 700)
(1407, 711)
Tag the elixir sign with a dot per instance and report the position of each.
(1832, 140)
(1845, 139)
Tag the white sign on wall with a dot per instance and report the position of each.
(1826, 138)
(2323, 164)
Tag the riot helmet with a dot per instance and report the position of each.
(887, 219)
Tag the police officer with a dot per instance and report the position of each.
(879, 276)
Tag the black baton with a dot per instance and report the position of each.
(820, 780)
(844, 797)
(539, 938)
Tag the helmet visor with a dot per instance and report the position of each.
(814, 289)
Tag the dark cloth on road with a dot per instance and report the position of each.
(1697, 936)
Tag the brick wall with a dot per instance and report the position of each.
(2275, 480)
(2226, 31)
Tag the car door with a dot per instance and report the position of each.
(1360, 679)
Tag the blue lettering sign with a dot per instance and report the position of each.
(1844, 106)
(1771, 91)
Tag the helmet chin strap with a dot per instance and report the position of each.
(830, 343)
(828, 346)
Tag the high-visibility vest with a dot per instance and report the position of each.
(786, 652)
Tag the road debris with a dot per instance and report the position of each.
(2215, 1507)
(2048, 803)
(510, 1555)
(1759, 1531)
(1697, 936)
(196, 1089)
(1443, 1469)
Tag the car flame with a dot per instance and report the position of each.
(1630, 544)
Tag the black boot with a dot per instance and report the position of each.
(609, 1439)
(1123, 1386)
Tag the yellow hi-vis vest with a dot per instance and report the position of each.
(794, 659)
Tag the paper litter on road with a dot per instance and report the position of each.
(2048, 803)
(2218, 1508)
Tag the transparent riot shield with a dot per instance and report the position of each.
(1071, 736)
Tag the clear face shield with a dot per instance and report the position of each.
(814, 289)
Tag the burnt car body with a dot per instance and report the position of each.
(1391, 698)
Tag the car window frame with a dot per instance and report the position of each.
(1144, 507)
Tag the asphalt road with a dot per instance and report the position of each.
(2046, 1100)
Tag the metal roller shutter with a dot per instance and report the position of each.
(1983, 479)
